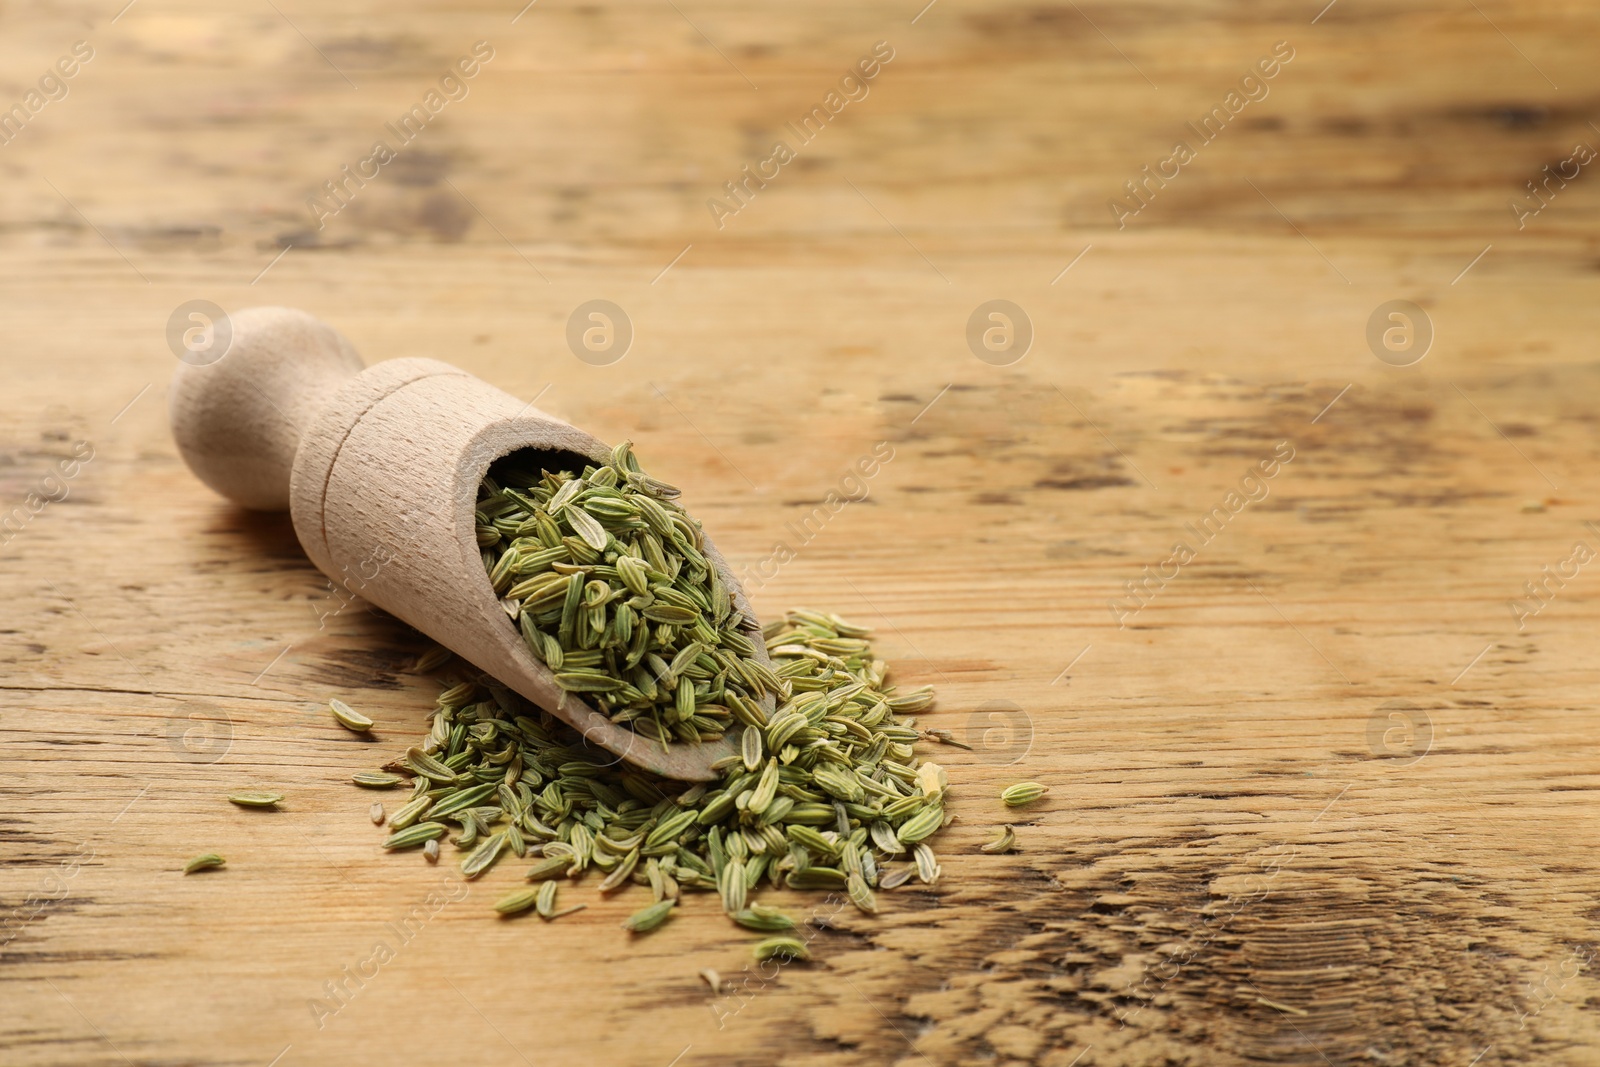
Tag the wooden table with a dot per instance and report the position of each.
(1319, 799)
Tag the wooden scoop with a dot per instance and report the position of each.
(379, 468)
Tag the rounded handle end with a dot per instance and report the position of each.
(238, 418)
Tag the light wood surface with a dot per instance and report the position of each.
(1325, 799)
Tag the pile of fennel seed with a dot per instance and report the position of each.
(608, 581)
(826, 794)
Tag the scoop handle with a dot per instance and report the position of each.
(238, 414)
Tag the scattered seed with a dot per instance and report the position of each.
(714, 980)
(764, 918)
(824, 793)
(647, 919)
(484, 856)
(1002, 843)
(348, 717)
(945, 737)
(376, 779)
(252, 799)
(1015, 796)
(897, 876)
(784, 948)
(519, 901)
(203, 863)
(376, 811)
(412, 836)
(410, 812)
(547, 898)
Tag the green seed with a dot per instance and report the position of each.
(763, 918)
(519, 901)
(647, 919)
(376, 779)
(782, 948)
(860, 895)
(431, 660)
(816, 878)
(255, 799)
(1002, 843)
(1015, 796)
(547, 899)
(203, 863)
(549, 867)
(412, 836)
(895, 877)
(751, 748)
(733, 887)
(822, 794)
(484, 856)
(348, 717)
(921, 825)
(883, 836)
(429, 767)
(410, 812)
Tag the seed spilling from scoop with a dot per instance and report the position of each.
(831, 795)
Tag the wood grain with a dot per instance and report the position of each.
(1319, 801)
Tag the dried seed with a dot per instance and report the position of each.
(1002, 843)
(251, 799)
(412, 836)
(883, 836)
(712, 979)
(549, 867)
(781, 948)
(620, 873)
(376, 779)
(860, 895)
(484, 856)
(203, 863)
(1015, 796)
(763, 918)
(431, 851)
(647, 919)
(410, 812)
(733, 887)
(923, 824)
(816, 878)
(348, 717)
(429, 767)
(820, 793)
(547, 899)
(897, 876)
(431, 660)
(519, 901)
(585, 526)
(376, 812)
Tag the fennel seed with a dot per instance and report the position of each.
(254, 799)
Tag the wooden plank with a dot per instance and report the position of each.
(1319, 800)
